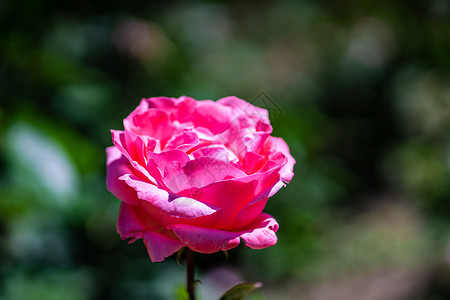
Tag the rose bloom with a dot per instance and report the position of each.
(196, 174)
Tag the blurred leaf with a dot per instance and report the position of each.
(241, 290)
(83, 152)
(181, 293)
(49, 285)
(41, 161)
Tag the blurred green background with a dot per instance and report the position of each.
(362, 95)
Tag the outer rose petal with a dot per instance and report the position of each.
(164, 103)
(232, 195)
(160, 246)
(119, 141)
(132, 223)
(275, 144)
(263, 235)
(172, 204)
(248, 214)
(205, 240)
(118, 165)
(245, 108)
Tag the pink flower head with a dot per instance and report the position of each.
(196, 174)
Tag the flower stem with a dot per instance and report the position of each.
(190, 270)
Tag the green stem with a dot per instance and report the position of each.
(190, 270)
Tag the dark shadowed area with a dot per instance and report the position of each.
(360, 90)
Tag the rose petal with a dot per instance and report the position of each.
(135, 147)
(215, 117)
(155, 123)
(205, 240)
(274, 145)
(160, 246)
(164, 103)
(172, 204)
(116, 166)
(200, 172)
(166, 159)
(118, 138)
(133, 222)
(261, 234)
(248, 214)
(232, 195)
(242, 140)
(165, 164)
(216, 151)
(184, 141)
(185, 108)
(112, 154)
(253, 162)
(244, 108)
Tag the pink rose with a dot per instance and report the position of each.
(196, 174)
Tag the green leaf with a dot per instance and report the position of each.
(241, 290)
(181, 293)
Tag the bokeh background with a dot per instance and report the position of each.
(360, 90)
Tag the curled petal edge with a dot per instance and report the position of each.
(206, 240)
(133, 225)
(172, 204)
(117, 166)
